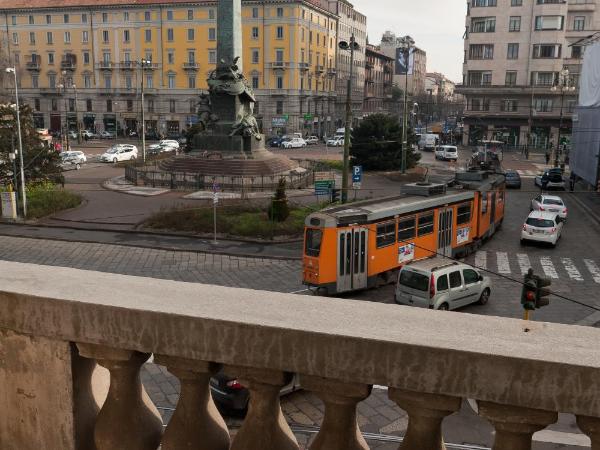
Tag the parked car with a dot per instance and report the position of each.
(513, 179)
(335, 142)
(446, 153)
(69, 164)
(295, 142)
(72, 160)
(274, 141)
(550, 203)
(89, 134)
(169, 142)
(551, 179)
(107, 135)
(154, 149)
(441, 284)
(72, 135)
(542, 226)
(312, 140)
(76, 155)
(121, 152)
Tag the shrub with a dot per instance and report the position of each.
(279, 209)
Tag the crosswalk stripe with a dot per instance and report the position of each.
(572, 271)
(481, 259)
(503, 262)
(594, 269)
(524, 263)
(548, 267)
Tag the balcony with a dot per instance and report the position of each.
(105, 65)
(590, 6)
(303, 66)
(34, 66)
(127, 65)
(279, 65)
(319, 70)
(191, 66)
(332, 72)
(68, 335)
(67, 65)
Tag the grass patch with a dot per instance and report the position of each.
(45, 199)
(248, 221)
(325, 165)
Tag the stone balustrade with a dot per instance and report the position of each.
(72, 343)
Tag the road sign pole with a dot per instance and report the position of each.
(214, 220)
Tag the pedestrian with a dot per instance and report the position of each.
(572, 180)
(547, 157)
(526, 152)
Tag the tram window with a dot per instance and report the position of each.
(386, 234)
(484, 203)
(342, 261)
(406, 229)
(425, 224)
(463, 214)
(363, 237)
(313, 242)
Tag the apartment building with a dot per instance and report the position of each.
(514, 54)
(80, 62)
(390, 43)
(379, 73)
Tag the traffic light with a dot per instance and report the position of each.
(335, 195)
(528, 294)
(542, 292)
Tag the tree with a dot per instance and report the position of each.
(377, 144)
(40, 162)
(279, 209)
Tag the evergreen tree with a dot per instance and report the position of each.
(279, 209)
(377, 144)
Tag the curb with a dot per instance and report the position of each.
(589, 211)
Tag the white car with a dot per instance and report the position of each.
(438, 283)
(446, 153)
(312, 140)
(107, 135)
(74, 155)
(335, 142)
(294, 143)
(550, 203)
(170, 143)
(121, 152)
(88, 134)
(542, 226)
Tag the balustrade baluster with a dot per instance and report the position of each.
(515, 425)
(339, 430)
(425, 415)
(196, 423)
(128, 420)
(265, 427)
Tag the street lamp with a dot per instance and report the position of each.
(63, 86)
(13, 70)
(143, 64)
(77, 115)
(406, 43)
(564, 83)
(351, 46)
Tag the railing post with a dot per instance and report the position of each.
(196, 423)
(425, 415)
(128, 420)
(591, 427)
(515, 425)
(265, 427)
(339, 430)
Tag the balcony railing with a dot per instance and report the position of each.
(127, 65)
(279, 65)
(105, 65)
(303, 66)
(191, 66)
(59, 326)
(67, 65)
(33, 65)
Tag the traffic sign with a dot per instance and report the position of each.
(215, 198)
(324, 176)
(323, 187)
(215, 188)
(357, 172)
(355, 185)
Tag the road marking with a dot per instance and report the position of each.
(524, 263)
(559, 437)
(573, 272)
(548, 267)
(594, 269)
(300, 291)
(503, 262)
(481, 259)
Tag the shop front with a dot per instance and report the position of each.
(279, 125)
(38, 121)
(173, 129)
(72, 121)
(541, 137)
(89, 122)
(110, 123)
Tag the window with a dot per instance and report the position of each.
(425, 224)
(31, 20)
(54, 103)
(414, 280)
(84, 18)
(71, 104)
(255, 13)
(48, 19)
(480, 104)
(483, 25)
(313, 241)
(475, 3)
(547, 51)
(50, 58)
(542, 104)
(129, 105)
(481, 51)
(255, 82)
(107, 82)
(514, 23)
(66, 18)
(211, 14)
(128, 82)
(15, 38)
(479, 78)
(386, 234)
(455, 280)
(87, 81)
(543, 78)
(104, 17)
(150, 107)
(169, 15)
(32, 37)
(88, 105)
(67, 37)
(170, 34)
(148, 35)
(37, 104)
(171, 57)
(576, 52)
(52, 80)
(35, 79)
(49, 38)
(463, 214)
(279, 82)
(147, 16)
(191, 57)
(512, 51)
(192, 104)
(85, 37)
(279, 32)
(549, 22)
(149, 81)
(192, 82)
(212, 57)
(86, 57)
(109, 106)
(190, 14)
(406, 229)
(509, 105)
(17, 62)
(279, 55)
(190, 34)
(516, 2)
(126, 36)
(255, 56)
(212, 34)
(171, 80)
(279, 107)
(105, 36)
(279, 12)
(126, 16)
(442, 283)
(255, 33)
(579, 23)
(470, 276)
(172, 106)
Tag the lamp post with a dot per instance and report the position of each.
(77, 115)
(143, 64)
(63, 86)
(351, 46)
(406, 43)
(13, 70)
(13, 159)
(564, 84)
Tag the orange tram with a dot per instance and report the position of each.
(364, 244)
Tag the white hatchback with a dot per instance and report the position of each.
(294, 143)
(169, 143)
(122, 152)
(542, 226)
(550, 203)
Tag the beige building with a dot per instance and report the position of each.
(514, 54)
(379, 73)
(416, 78)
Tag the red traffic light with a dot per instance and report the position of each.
(530, 296)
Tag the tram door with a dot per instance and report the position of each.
(493, 213)
(445, 231)
(352, 259)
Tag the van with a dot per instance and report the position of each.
(446, 153)
(439, 283)
(428, 141)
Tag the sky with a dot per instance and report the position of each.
(437, 26)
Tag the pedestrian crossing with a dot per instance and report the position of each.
(528, 173)
(555, 268)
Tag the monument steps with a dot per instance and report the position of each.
(230, 167)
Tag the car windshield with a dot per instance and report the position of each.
(552, 201)
(414, 280)
(540, 223)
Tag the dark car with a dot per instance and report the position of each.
(513, 179)
(275, 141)
(551, 179)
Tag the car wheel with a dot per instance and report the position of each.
(522, 242)
(77, 166)
(485, 297)
(444, 307)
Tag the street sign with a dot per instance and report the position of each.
(357, 174)
(324, 176)
(215, 198)
(308, 116)
(355, 185)
(323, 187)
(215, 188)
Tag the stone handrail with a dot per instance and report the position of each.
(56, 323)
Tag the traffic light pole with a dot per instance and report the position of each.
(348, 125)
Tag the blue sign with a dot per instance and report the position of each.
(357, 174)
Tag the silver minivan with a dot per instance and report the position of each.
(438, 283)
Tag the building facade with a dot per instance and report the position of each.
(415, 83)
(379, 74)
(515, 51)
(82, 64)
